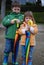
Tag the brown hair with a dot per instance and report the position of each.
(15, 4)
(29, 14)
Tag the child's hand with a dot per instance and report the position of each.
(23, 31)
(31, 29)
(18, 21)
(12, 22)
(28, 26)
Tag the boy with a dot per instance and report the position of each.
(11, 26)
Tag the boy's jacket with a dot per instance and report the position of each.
(11, 28)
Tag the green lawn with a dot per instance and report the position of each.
(39, 17)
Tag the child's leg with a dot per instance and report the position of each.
(5, 60)
(30, 55)
(15, 53)
(6, 51)
(23, 55)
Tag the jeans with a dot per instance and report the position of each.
(30, 55)
(9, 45)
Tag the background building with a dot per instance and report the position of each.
(41, 2)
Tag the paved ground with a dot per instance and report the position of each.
(38, 56)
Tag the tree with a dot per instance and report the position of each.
(38, 2)
(3, 7)
(13, 1)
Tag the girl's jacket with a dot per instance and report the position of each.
(32, 35)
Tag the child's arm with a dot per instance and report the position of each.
(23, 28)
(7, 21)
(34, 29)
(21, 17)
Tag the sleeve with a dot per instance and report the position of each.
(6, 21)
(34, 29)
(21, 18)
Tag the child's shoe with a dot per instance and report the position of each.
(23, 63)
(29, 63)
(14, 60)
(16, 63)
(5, 60)
(4, 64)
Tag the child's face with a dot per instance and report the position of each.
(16, 9)
(27, 19)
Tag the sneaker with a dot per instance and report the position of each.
(24, 63)
(29, 63)
(16, 63)
(4, 64)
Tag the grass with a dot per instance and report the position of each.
(39, 17)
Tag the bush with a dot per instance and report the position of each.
(39, 17)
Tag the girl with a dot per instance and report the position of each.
(30, 32)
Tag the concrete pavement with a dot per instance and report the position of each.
(38, 56)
